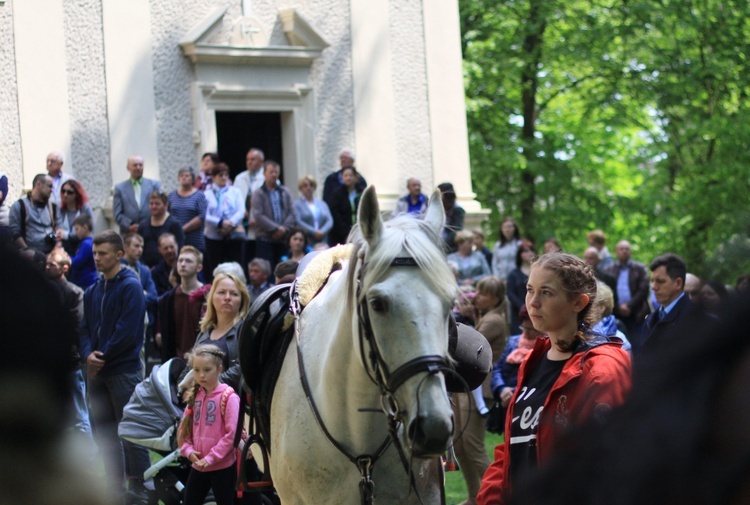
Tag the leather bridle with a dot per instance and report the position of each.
(387, 381)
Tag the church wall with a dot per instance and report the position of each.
(412, 127)
(10, 129)
(381, 87)
(89, 154)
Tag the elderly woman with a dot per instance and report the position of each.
(226, 306)
(188, 206)
(492, 322)
(570, 376)
(73, 203)
(608, 325)
(312, 214)
(471, 264)
(155, 226)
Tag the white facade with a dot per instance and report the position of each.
(103, 79)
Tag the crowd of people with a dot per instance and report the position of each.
(179, 275)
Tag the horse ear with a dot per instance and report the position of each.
(368, 216)
(435, 216)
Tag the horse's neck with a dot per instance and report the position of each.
(338, 377)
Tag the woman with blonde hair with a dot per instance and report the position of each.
(312, 214)
(226, 306)
(471, 264)
(608, 325)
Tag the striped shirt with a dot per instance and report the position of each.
(185, 208)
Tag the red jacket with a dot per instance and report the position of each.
(595, 379)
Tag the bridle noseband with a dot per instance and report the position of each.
(377, 370)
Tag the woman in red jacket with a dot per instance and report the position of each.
(570, 375)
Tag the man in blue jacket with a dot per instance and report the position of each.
(111, 340)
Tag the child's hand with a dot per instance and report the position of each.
(201, 463)
(194, 457)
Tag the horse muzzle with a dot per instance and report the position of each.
(429, 436)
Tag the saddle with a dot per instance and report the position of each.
(264, 336)
(269, 328)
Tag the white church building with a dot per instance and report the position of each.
(169, 80)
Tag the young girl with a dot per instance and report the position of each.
(206, 433)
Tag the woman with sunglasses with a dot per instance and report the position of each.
(73, 203)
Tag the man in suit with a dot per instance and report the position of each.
(130, 204)
(668, 273)
(336, 180)
(632, 291)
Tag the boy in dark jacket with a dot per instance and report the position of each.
(112, 334)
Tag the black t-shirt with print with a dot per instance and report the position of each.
(526, 414)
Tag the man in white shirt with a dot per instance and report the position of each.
(55, 161)
(247, 182)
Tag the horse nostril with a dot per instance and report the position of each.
(429, 436)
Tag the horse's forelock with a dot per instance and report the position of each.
(420, 243)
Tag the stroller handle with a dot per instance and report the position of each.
(154, 469)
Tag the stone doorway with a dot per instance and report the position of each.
(238, 131)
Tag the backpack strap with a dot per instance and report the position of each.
(52, 207)
(224, 397)
(24, 216)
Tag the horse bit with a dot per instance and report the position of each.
(377, 371)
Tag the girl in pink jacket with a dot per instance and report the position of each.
(206, 432)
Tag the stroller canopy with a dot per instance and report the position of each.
(151, 416)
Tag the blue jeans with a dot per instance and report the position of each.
(81, 420)
(107, 398)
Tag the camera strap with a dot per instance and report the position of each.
(51, 206)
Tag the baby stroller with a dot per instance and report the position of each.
(150, 419)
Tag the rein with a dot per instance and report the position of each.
(377, 371)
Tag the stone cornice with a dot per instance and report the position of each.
(306, 46)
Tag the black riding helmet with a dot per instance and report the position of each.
(472, 355)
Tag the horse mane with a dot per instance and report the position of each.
(403, 235)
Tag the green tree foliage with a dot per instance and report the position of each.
(626, 116)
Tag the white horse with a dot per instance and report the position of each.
(397, 283)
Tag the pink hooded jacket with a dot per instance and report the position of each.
(213, 436)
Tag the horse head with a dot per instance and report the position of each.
(404, 297)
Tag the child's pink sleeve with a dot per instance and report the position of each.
(225, 445)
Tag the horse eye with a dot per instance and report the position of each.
(378, 305)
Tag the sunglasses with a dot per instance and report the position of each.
(68, 192)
